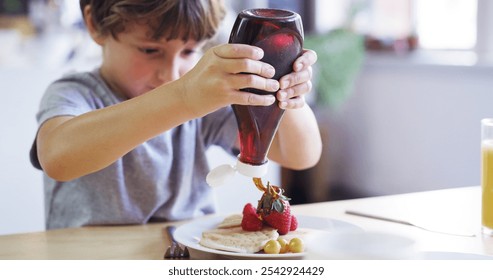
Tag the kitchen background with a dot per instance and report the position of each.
(401, 87)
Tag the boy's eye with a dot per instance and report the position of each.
(188, 52)
(148, 51)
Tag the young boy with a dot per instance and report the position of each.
(126, 143)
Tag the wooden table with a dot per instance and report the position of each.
(448, 209)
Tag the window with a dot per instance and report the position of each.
(438, 24)
(446, 24)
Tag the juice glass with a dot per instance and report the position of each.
(487, 175)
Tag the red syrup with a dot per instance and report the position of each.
(280, 34)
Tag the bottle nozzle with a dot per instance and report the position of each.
(221, 174)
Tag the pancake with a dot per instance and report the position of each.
(231, 221)
(235, 239)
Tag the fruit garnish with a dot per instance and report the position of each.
(251, 220)
(272, 247)
(294, 223)
(284, 245)
(296, 245)
(273, 207)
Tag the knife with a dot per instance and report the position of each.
(403, 222)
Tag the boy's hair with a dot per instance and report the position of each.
(171, 19)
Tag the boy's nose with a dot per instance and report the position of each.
(169, 71)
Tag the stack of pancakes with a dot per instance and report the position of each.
(229, 236)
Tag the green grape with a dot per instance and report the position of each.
(284, 245)
(272, 247)
(296, 245)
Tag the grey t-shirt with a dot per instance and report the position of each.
(163, 178)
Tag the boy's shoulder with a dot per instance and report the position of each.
(82, 87)
(87, 78)
(89, 82)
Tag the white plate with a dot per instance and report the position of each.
(189, 235)
(453, 256)
(363, 245)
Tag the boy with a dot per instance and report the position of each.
(126, 143)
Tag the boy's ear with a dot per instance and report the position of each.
(91, 27)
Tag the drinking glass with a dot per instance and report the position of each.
(487, 175)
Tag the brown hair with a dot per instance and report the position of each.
(171, 19)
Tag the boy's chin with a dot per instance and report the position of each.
(131, 95)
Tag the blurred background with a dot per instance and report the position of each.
(400, 89)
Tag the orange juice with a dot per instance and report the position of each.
(487, 185)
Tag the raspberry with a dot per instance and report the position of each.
(250, 221)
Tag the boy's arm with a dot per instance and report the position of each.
(297, 144)
(70, 147)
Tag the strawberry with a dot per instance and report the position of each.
(280, 220)
(294, 223)
(273, 207)
(250, 221)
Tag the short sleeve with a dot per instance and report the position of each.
(220, 128)
(72, 95)
(66, 98)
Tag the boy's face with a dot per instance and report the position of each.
(133, 64)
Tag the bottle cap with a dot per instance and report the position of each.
(221, 174)
(254, 171)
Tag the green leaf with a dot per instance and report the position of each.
(340, 58)
(278, 206)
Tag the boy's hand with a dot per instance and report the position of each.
(295, 85)
(223, 71)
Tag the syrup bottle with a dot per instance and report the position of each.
(279, 33)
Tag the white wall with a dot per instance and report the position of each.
(410, 126)
(21, 191)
